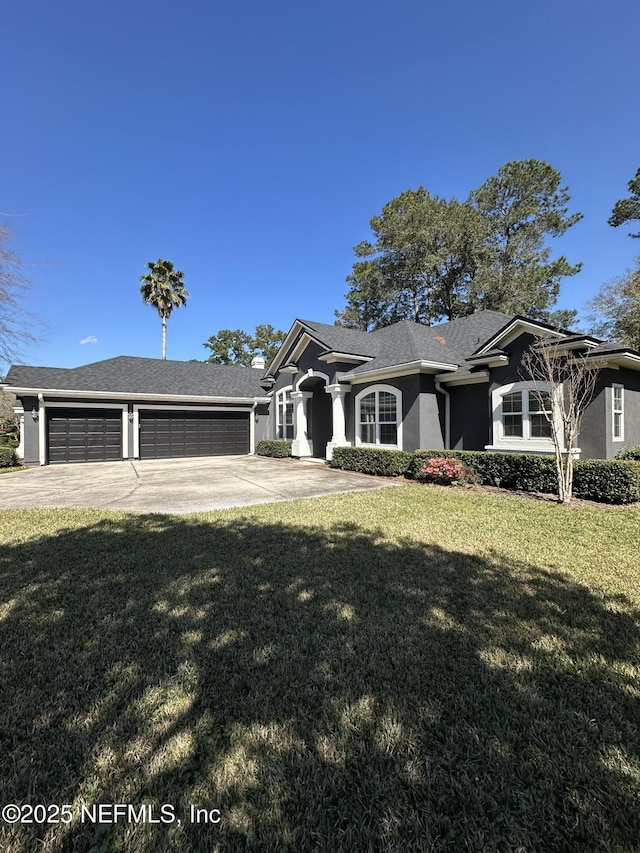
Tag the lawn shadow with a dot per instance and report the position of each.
(325, 690)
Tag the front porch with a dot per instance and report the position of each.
(319, 420)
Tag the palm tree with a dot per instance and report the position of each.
(162, 287)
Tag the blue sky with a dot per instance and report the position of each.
(251, 143)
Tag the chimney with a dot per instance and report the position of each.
(257, 361)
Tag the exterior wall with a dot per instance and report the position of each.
(262, 421)
(30, 433)
(470, 416)
(592, 440)
(431, 416)
(631, 384)
(513, 371)
(596, 437)
(421, 410)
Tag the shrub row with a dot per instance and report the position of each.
(8, 458)
(611, 481)
(367, 460)
(632, 453)
(520, 471)
(605, 480)
(276, 448)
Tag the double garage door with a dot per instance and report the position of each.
(95, 435)
(164, 435)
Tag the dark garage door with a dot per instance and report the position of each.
(84, 435)
(164, 435)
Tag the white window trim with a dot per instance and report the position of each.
(614, 437)
(526, 444)
(397, 393)
(280, 396)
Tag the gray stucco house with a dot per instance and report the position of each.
(456, 385)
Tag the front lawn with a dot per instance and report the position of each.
(417, 668)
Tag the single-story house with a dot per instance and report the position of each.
(456, 385)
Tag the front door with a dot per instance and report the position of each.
(321, 420)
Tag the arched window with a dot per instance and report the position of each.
(379, 416)
(284, 405)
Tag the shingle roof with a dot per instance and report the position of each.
(339, 339)
(451, 342)
(131, 375)
(612, 347)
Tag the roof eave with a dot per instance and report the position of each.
(129, 395)
(418, 366)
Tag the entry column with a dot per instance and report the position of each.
(339, 438)
(301, 445)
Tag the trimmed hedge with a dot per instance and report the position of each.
(629, 453)
(369, 460)
(606, 480)
(520, 471)
(276, 448)
(8, 458)
(611, 481)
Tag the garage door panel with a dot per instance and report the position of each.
(90, 435)
(165, 435)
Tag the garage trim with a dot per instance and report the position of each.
(158, 406)
(42, 422)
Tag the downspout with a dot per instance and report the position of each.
(447, 414)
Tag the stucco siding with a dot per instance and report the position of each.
(470, 416)
(596, 422)
(630, 380)
(432, 416)
(409, 386)
(30, 442)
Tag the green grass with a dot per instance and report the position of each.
(417, 668)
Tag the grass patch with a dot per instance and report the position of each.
(417, 668)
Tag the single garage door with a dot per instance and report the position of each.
(84, 435)
(164, 435)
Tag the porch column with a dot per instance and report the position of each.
(301, 445)
(339, 437)
(42, 429)
(19, 413)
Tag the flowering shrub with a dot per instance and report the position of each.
(446, 472)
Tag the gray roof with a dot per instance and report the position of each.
(339, 339)
(404, 342)
(611, 347)
(131, 375)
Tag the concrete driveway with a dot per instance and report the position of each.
(177, 485)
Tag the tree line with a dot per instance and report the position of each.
(435, 259)
(431, 259)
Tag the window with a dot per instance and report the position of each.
(523, 414)
(526, 414)
(618, 412)
(285, 414)
(377, 414)
(512, 413)
(540, 411)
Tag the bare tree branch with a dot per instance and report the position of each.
(571, 381)
(16, 324)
